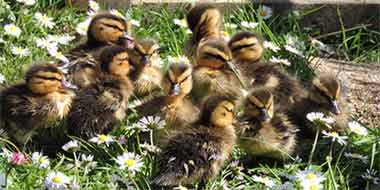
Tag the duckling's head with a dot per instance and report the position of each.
(106, 28)
(115, 61)
(44, 78)
(178, 79)
(218, 111)
(145, 53)
(204, 20)
(259, 105)
(326, 92)
(246, 46)
(213, 53)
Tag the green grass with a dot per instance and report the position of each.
(340, 172)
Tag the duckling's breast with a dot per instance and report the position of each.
(60, 104)
(148, 81)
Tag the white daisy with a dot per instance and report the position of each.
(102, 139)
(12, 30)
(135, 22)
(230, 25)
(150, 148)
(150, 122)
(20, 51)
(130, 161)
(294, 50)
(2, 79)
(265, 12)
(355, 127)
(371, 176)
(71, 144)
(56, 181)
(271, 46)
(310, 179)
(44, 20)
(319, 117)
(27, 2)
(94, 6)
(281, 61)
(178, 59)
(116, 13)
(180, 22)
(250, 25)
(226, 36)
(59, 55)
(364, 159)
(265, 180)
(82, 27)
(47, 44)
(40, 160)
(335, 137)
(60, 39)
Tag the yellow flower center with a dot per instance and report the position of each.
(57, 179)
(129, 162)
(103, 138)
(311, 176)
(41, 160)
(263, 13)
(313, 187)
(13, 28)
(334, 134)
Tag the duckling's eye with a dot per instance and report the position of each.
(224, 114)
(218, 57)
(183, 80)
(242, 46)
(114, 27)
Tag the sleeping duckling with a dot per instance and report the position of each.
(147, 77)
(104, 29)
(267, 133)
(38, 102)
(197, 153)
(98, 109)
(323, 96)
(247, 50)
(213, 76)
(204, 21)
(173, 105)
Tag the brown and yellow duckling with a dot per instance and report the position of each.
(266, 133)
(197, 153)
(325, 95)
(146, 76)
(213, 76)
(100, 108)
(204, 21)
(36, 103)
(247, 49)
(105, 29)
(174, 104)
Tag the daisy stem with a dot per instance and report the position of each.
(314, 146)
(329, 164)
(151, 137)
(133, 180)
(372, 161)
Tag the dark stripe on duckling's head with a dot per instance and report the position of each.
(44, 70)
(260, 103)
(107, 55)
(246, 45)
(178, 79)
(213, 50)
(197, 15)
(114, 25)
(328, 88)
(217, 110)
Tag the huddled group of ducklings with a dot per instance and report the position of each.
(197, 100)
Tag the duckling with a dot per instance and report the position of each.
(173, 105)
(247, 49)
(325, 95)
(98, 109)
(267, 133)
(104, 29)
(213, 74)
(204, 21)
(197, 153)
(147, 77)
(38, 102)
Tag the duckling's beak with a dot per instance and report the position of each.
(130, 41)
(236, 73)
(67, 84)
(175, 90)
(145, 60)
(264, 115)
(335, 108)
